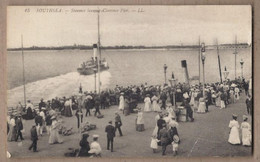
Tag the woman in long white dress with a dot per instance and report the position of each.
(140, 121)
(12, 130)
(155, 104)
(237, 93)
(147, 103)
(54, 132)
(246, 132)
(192, 96)
(202, 106)
(234, 131)
(121, 102)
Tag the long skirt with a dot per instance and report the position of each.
(155, 106)
(218, 102)
(54, 137)
(234, 136)
(222, 104)
(11, 134)
(246, 137)
(202, 107)
(67, 111)
(139, 127)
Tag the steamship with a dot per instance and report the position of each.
(91, 66)
(95, 64)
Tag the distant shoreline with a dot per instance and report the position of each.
(170, 47)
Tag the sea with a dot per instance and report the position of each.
(53, 73)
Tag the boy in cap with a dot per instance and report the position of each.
(110, 130)
(118, 123)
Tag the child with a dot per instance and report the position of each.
(246, 132)
(154, 143)
(175, 144)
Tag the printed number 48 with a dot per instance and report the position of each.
(27, 10)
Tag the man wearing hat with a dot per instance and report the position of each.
(42, 104)
(110, 130)
(164, 138)
(34, 138)
(19, 127)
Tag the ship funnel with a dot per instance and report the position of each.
(95, 52)
(185, 71)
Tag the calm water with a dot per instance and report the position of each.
(51, 73)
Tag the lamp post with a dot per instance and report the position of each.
(173, 83)
(95, 76)
(225, 73)
(203, 57)
(241, 63)
(165, 68)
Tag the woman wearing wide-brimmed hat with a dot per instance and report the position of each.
(12, 129)
(54, 132)
(234, 131)
(84, 145)
(246, 132)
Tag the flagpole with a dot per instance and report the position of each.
(199, 59)
(99, 59)
(219, 65)
(23, 72)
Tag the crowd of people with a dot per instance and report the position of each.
(169, 101)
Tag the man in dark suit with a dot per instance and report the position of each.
(110, 130)
(19, 127)
(118, 123)
(164, 138)
(34, 138)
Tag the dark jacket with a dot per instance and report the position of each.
(34, 135)
(160, 122)
(38, 120)
(164, 136)
(19, 124)
(48, 120)
(84, 147)
(118, 121)
(110, 130)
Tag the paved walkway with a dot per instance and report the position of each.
(206, 136)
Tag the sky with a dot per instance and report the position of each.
(127, 25)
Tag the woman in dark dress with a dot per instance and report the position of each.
(84, 146)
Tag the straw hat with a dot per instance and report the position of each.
(95, 136)
(176, 138)
(234, 115)
(245, 117)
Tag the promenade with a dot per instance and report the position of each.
(206, 136)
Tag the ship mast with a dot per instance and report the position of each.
(23, 72)
(99, 52)
(235, 53)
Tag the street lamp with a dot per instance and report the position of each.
(95, 76)
(203, 58)
(173, 83)
(242, 63)
(165, 68)
(225, 73)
